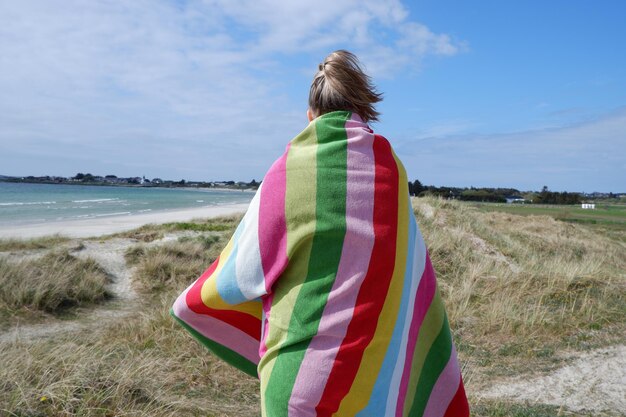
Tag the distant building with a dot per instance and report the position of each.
(590, 206)
(515, 199)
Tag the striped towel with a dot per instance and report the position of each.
(326, 291)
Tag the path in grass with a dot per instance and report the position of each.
(110, 255)
(590, 382)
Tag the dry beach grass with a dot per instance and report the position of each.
(523, 295)
(525, 284)
(52, 284)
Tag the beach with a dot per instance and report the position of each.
(115, 224)
(69, 307)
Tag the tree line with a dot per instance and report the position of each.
(555, 197)
(493, 195)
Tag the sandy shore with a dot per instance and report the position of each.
(115, 224)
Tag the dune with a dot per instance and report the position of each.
(114, 224)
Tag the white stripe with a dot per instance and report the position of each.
(249, 269)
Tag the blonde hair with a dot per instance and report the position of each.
(341, 84)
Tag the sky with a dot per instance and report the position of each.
(483, 93)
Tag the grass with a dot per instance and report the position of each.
(613, 215)
(49, 284)
(527, 409)
(46, 242)
(172, 265)
(151, 232)
(502, 409)
(518, 290)
(143, 366)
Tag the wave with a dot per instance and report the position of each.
(29, 203)
(95, 200)
(112, 214)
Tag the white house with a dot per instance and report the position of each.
(591, 206)
(515, 200)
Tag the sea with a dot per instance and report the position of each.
(23, 203)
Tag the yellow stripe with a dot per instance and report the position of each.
(374, 354)
(300, 197)
(211, 297)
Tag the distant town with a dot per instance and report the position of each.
(416, 188)
(89, 179)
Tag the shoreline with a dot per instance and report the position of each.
(107, 184)
(205, 189)
(83, 228)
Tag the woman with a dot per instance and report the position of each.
(326, 291)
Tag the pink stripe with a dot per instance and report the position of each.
(423, 300)
(445, 388)
(272, 233)
(357, 248)
(217, 330)
(272, 222)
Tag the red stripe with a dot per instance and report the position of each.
(458, 406)
(243, 321)
(373, 291)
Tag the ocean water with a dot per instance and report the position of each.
(22, 203)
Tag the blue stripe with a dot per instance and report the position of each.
(227, 279)
(378, 400)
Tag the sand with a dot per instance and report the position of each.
(114, 224)
(592, 382)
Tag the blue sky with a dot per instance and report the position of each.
(490, 93)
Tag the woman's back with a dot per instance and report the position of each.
(341, 312)
(326, 290)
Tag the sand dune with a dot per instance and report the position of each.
(114, 224)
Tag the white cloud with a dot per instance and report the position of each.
(421, 40)
(379, 31)
(178, 86)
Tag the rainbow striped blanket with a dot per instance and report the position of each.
(326, 291)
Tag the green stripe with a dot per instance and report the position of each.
(301, 187)
(326, 251)
(431, 327)
(221, 351)
(436, 361)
